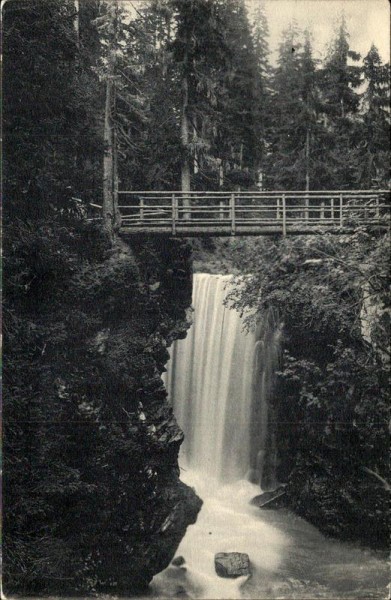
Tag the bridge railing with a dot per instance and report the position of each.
(238, 211)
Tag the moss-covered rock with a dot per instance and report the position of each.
(92, 492)
(340, 498)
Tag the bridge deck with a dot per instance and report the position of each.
(193, 214)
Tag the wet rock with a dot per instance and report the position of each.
(178, 508)
(269, 499)
(232, 564)
(178, 561)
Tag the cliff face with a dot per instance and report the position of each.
(92, 495)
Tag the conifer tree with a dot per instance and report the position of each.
(158, 160)
(49, 95)
(287, 139)
(374, 147)
(260, 34)
(239, 132)
(198, 50)
(316, 135)
(339, 79)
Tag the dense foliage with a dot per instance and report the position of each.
(52, 133)
(90, 443)
(332, 296)
(91, 488)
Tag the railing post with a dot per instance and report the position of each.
(278, 209)
(322, 211)
(377, 208)
(176, 208)
(233, 226)
(174, 212)
(283, 215)
(141, 209)
(332, 209)
(221, 211)
(186, 204)
(341, 210)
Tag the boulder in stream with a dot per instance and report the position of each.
(232, 564)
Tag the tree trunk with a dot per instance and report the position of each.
(117, 217)
(110, 177)
(108, 162)
(77, 9)
(307, 173)
(185, 170)
(195, 137)
(221, 173)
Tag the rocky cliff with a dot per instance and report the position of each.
(91, 487)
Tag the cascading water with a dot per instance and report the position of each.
(220, 381)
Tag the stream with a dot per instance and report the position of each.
(289, 557)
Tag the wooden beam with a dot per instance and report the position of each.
(174, 213)
(232, 202)
(283, 215)
(341, 210)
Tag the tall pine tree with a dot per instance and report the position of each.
(50, 94)
(286, 169)
(374, 158)
(198, 50)
(238, 143)
(260, 34)
(339, 79)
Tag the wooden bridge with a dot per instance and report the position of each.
(190, 214)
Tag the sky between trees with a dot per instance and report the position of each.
(368, 21)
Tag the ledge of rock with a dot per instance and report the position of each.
(232, 564)
(269, 499)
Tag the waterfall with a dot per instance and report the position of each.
(219, 380)
(263, 448)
